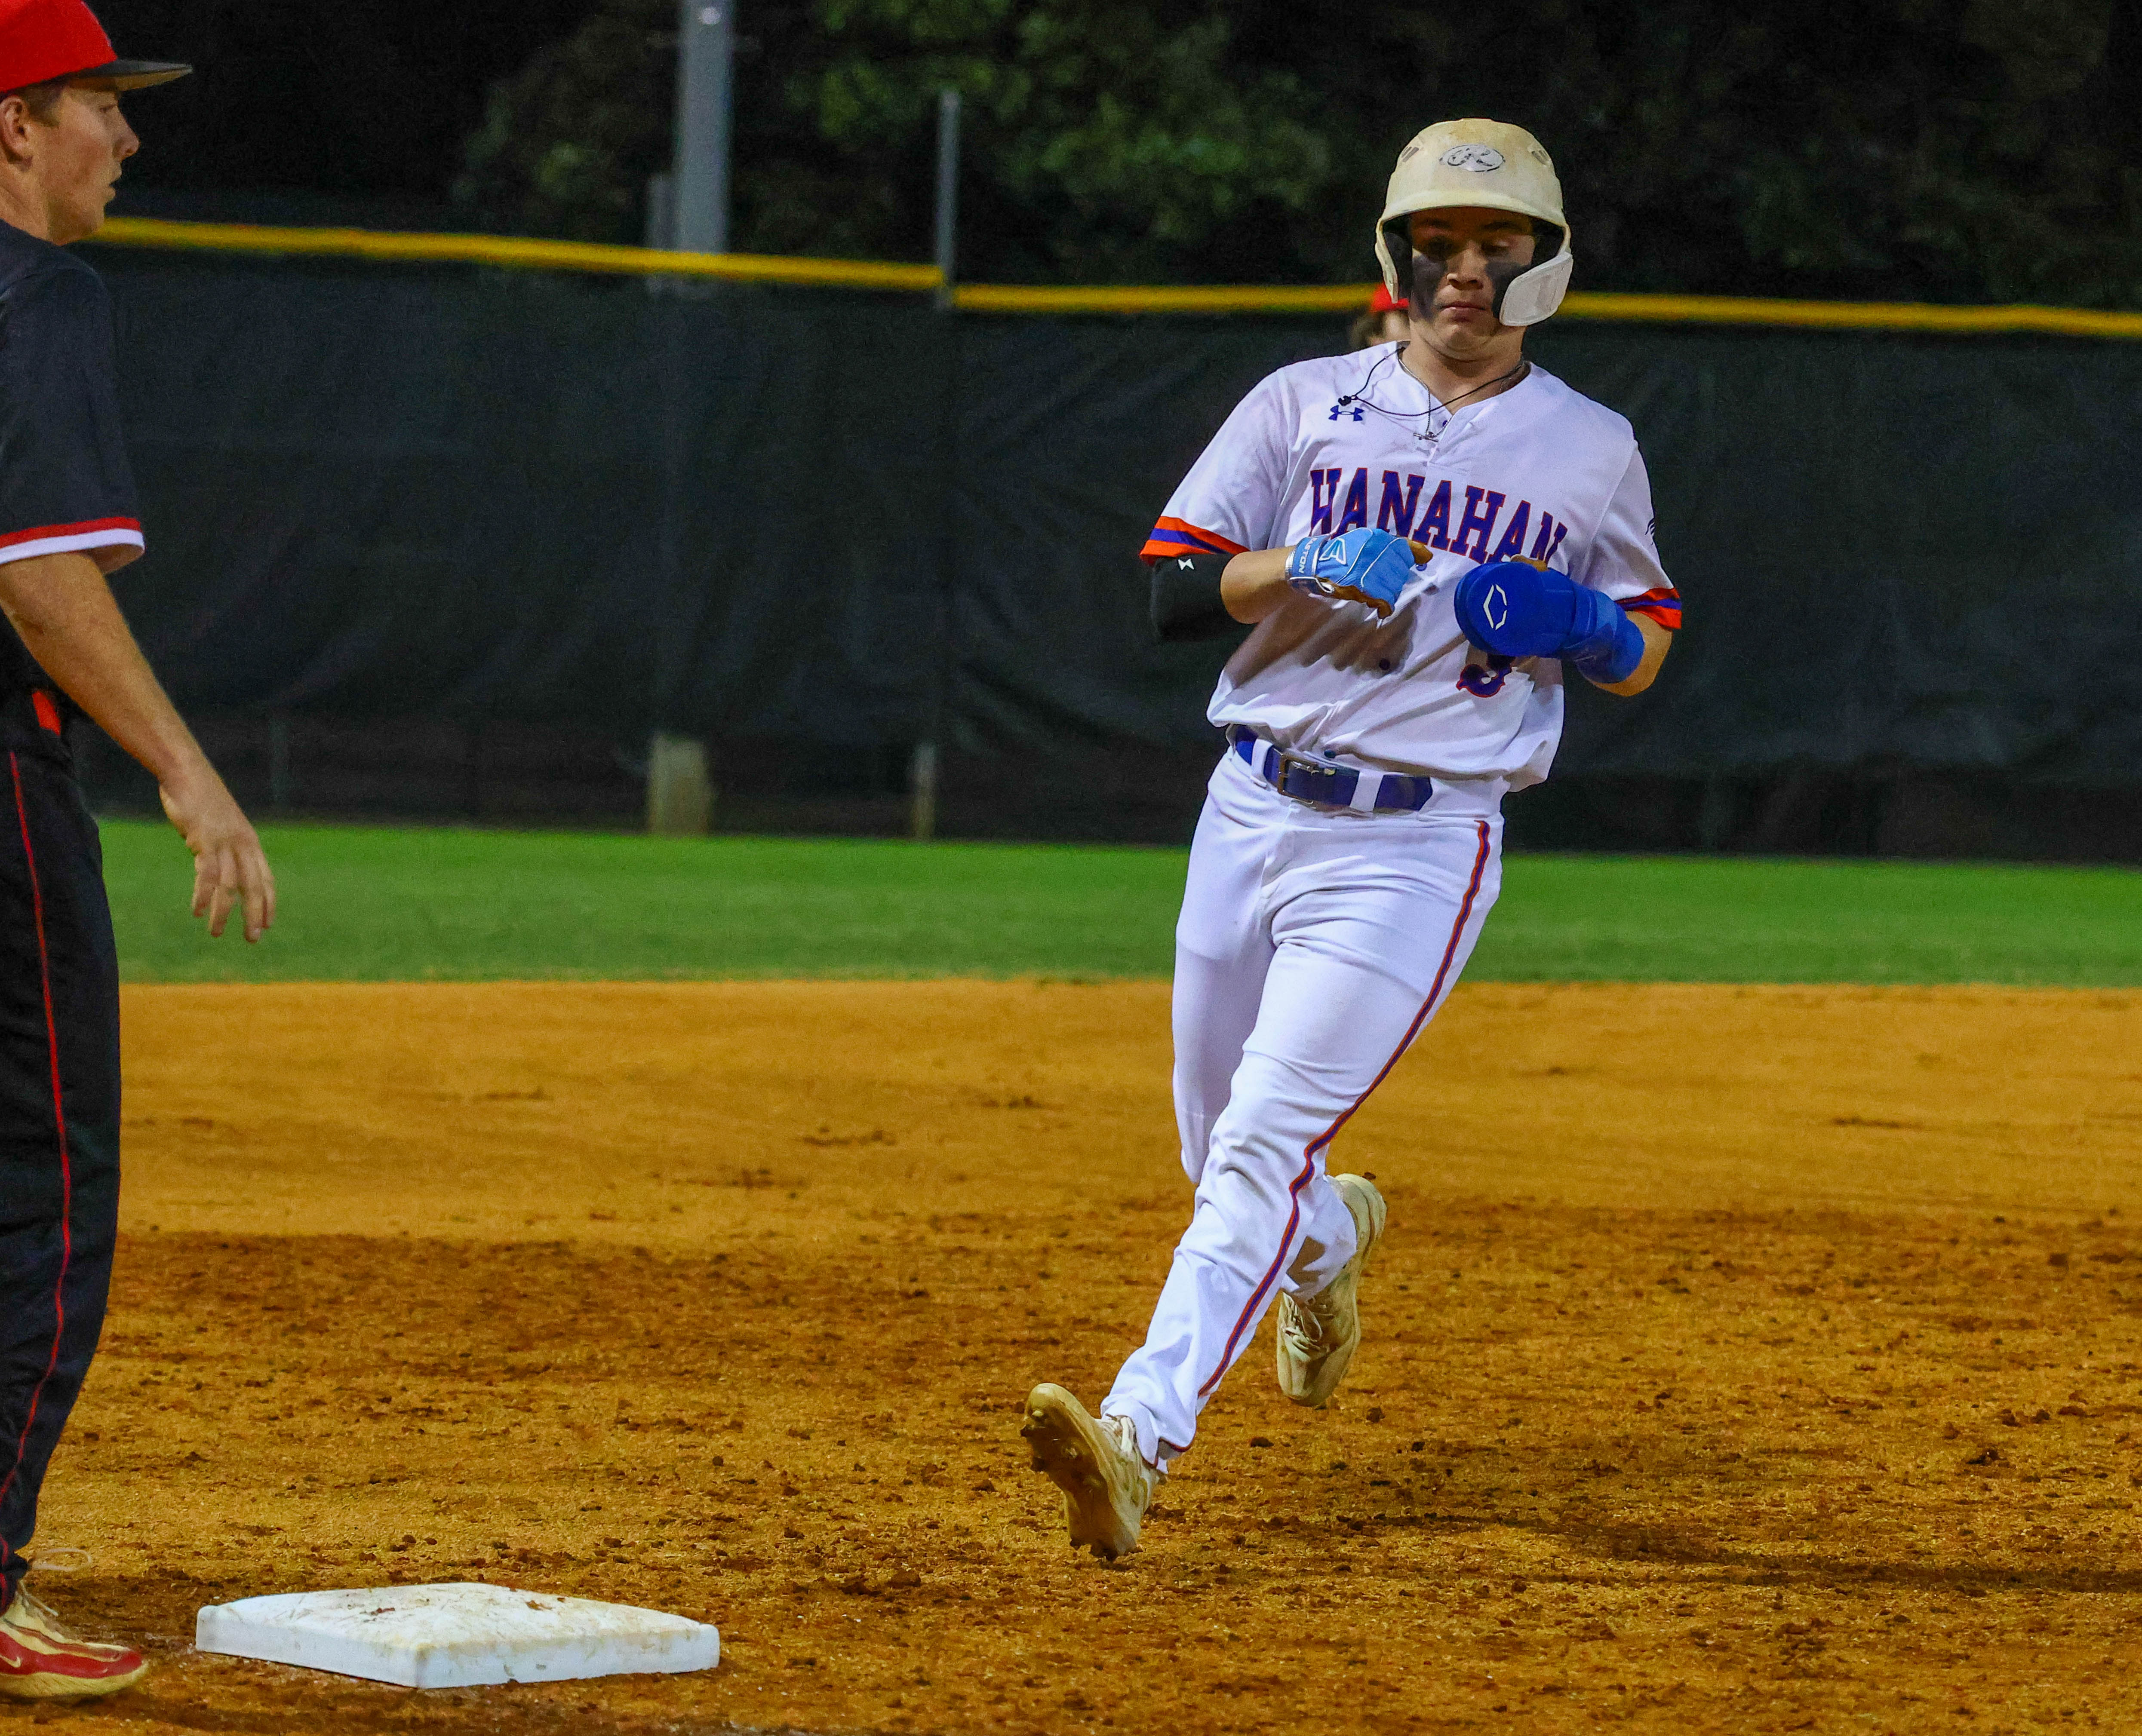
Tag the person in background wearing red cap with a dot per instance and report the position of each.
(68, 517)
(1383, 321)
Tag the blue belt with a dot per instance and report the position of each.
(1308, 780)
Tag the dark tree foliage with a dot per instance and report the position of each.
(1942, 150)
(568, 142)
(1945, 149)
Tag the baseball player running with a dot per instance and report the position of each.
(1426, 534)
(68, 517)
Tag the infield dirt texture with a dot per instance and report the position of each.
(1741, 1359)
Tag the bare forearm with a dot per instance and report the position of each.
(63, 608)
(1254, 583)
(67, 617)
(1657, 642)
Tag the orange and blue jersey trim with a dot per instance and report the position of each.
(1179, 536)
(1663, 606)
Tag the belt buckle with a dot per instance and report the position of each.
(1313, 770)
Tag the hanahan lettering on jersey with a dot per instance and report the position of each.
(1536, 473)
(1339, 502)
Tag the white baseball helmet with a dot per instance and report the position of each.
(1478, 163)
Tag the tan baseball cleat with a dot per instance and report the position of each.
(1094, 1461)
(1319, 1334)
(42, 1659)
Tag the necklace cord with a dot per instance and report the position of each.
(1358, 395)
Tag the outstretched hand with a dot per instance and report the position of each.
(230, 869)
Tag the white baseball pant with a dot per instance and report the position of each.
(1315, 945)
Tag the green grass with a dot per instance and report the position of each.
(374, 903)
(1714, 919)
(379, 904)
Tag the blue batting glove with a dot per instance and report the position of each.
(1361, 566)
(1514, 608)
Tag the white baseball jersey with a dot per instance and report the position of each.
(1539, 470)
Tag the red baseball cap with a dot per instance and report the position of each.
(1382, 302)
(42, 40)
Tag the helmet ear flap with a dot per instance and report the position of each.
(1397, 255)
(1529, 296)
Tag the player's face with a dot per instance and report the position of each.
(1465, 252)
(78, 159)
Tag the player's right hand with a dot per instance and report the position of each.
(230, 869)
(1360, 566)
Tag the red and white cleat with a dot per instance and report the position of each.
(40, 1658)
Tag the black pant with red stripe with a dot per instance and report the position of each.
(59, 1113)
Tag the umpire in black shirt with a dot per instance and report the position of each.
(67, 518)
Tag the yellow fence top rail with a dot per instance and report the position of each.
(520, 254)
(511, 251)
(1849, 316)
(1214, 299)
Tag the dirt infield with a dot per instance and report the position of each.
(1742, 1360)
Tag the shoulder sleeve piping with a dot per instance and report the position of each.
(1661, 605)
(1179, 536)
(70, 538)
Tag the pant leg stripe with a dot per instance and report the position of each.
(1316, 1145)
(59, 1125)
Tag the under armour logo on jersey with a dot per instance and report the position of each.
(1185, 563)
(1339, 408)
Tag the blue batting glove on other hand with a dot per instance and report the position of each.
(1361, 566)
(1514, 608)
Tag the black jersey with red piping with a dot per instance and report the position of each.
(65, 481)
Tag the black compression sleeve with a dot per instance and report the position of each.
(1185, 598)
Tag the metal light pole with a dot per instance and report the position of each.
(924, 769)
(706, 53)
(680, 793)
(948, 194)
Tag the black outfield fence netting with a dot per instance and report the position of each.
(454, 543)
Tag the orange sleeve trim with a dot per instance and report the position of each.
(1179, 536)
